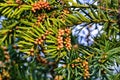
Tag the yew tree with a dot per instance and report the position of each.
(37, 41)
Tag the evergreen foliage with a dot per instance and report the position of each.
(36, 41)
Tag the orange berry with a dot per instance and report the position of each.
(39, 42)
(43, 36)
(32, 54)
(58, 48)
(31, 50)
(4, 48)
(33, 10)
(73, 65)
(7, 57)
(6, 52)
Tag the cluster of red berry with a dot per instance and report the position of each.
(31, 52)
(6, 54)
(78, 60)
(67, 31)
(4, 75)
(68, 39)
(86, 69)
(40, 5)
(58, 77)
(60, 39)
(41, 39)
(63, 15)
(41, 18)
(66, 11)
(68, 43)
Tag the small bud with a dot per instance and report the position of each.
(4, 48)
(7, 57)
(6, 52)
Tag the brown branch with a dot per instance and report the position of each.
(44, 61)
(93, 6)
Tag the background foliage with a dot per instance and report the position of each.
(37, 42)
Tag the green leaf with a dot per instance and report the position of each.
(50, 41)
(5, 10)
(50, 50)
(3, 39)
(8, 12)
(72, 17)
(39, 29)
(35, 31)
(25, 43)
(28, 36)
(14, 12)
(12, 25)
(4, 31)
(28, 39)
(82, 17)
(26, 22)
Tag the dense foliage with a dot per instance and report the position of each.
(36, 41)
